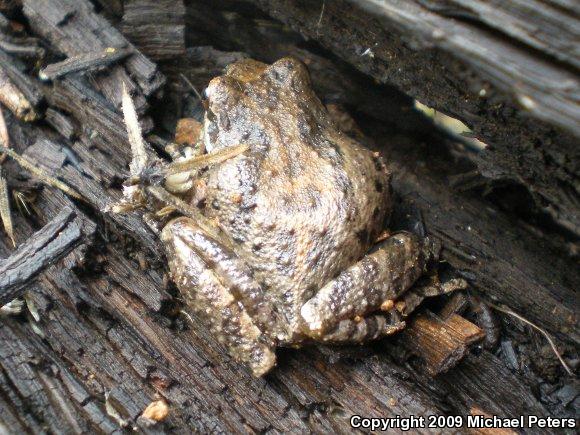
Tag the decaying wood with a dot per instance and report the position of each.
(84, 62)
(106, 338)
(18, 91)
(156, 27)
(45, 247)
(74, 29)
(501, 79)
(60, 122)
(440, 343)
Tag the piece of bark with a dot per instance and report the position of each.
(441, 344)
(45, 247)
(21, 46)
(455, 305)
(73, 28)
(18, 91)
(84, 62)
(60, 122)
(156, 27)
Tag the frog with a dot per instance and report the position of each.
(282, 243)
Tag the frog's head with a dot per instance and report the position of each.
(249, 92)
(152, 182)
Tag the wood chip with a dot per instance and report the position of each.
(187, 131)
(156, 411)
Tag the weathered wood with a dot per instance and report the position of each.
(440, 343)
(156, 27)
(20, 47)
(546, 25)
(84, 62)
(19, 92)
(75, 29)
(45, 247)
(60, 122)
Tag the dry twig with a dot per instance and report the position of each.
(5, 212)
(536, 327)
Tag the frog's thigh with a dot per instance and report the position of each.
(381, 275)
(372, 327)
(206, 292)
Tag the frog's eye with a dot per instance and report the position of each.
(288, 72)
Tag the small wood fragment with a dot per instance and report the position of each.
(156, 27)
(46, 246)
(60, 122)
(5, 212)
(467, 332)
(440, 343)
(456, 305)
(16, 91)
(84, 62)
(21, 47)
(187, 131)
(156, 411)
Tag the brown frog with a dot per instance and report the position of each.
(278, 245)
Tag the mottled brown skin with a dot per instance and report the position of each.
(296, 216)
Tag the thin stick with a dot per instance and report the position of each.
(4, 138)
(84, 62)
(193, 88)
(321, 15)
(184, 208)
(41, 175)
(536, 327)
(138, 151)
(5, 212)
(204, 160)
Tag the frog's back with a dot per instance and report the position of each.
(304, 201)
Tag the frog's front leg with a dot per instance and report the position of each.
(382, 275)
(217, 284)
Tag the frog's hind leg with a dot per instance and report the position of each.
(372, 327)
(378, 278)
(197, 264)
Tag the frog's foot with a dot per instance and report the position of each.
(216, 284)
(426, 287)
(372, 327)
(381, 276)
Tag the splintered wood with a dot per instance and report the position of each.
(18, 91)
(45, 247)
(441, 344)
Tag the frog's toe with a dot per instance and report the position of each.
(368, 328)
